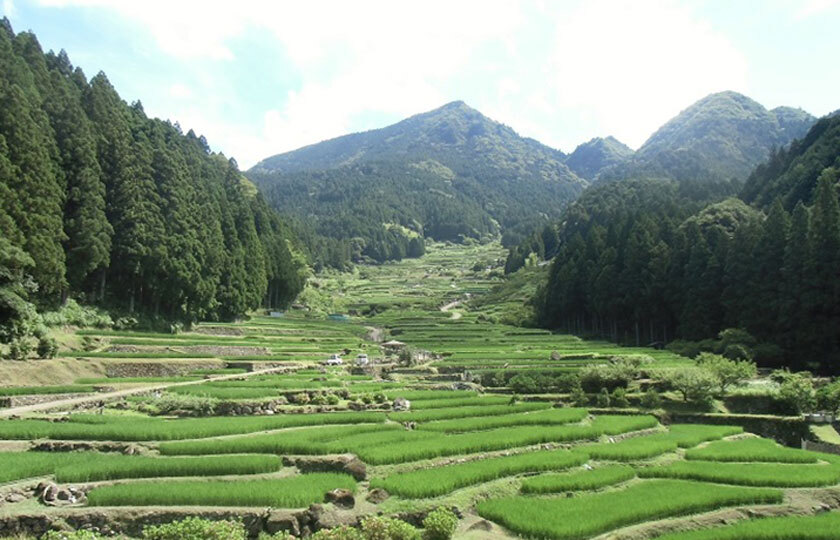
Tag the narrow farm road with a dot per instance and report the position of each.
(448, 307)
(107, 396)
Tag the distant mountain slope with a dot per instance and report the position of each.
(591, 157)
(450, 173)
(791, 174)
(723, 136)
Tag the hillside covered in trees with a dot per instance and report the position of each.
(721, 137)
(644, 261)
(592, 157)
(448, 174)
(101, 203)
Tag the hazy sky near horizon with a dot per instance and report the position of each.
(259, 77)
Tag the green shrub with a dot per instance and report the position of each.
(828, 397)
(170, 403)
(195, 528)
(596, 376)
(578, 397)
(338, 533)
(695, 384)
(619, 398)
(282, 535)
(440, 524)
(797, 393)
(47, 347)
(651, 399)
(71, 313)
(727, 370)
(332, 399)
(19, 349)
(523, 384)
(383, 528)
(603, 398)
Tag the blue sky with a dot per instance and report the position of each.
(259, 77)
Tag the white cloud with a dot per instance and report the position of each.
(180, 91)
(815, 7)
(602, 67)
(9, 8)
(633, 65)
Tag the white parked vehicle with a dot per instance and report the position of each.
(334, 360)
(362, 360)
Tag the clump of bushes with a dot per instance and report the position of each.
(616, 374)
(74, 535)
(195, 528)
(73, 314)
(180, 405)
(372, 528)
(440, 524)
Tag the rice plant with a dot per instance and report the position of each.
(753, 449)
(20, 465)
(293, 492)
(313, 440)
(156, 429)
(632, 449)
(500, 439)
(820, 527)
(589, 515)
(542, 417)
(442, 480)
(579, 480)
(117, 466)
(465, 412)
(752, 474)
(474, 401)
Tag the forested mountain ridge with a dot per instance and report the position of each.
(721, 137)
(592, 157)
(450, 174)
(102, 203)
(791, 173)
(646, 260)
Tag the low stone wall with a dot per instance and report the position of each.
(35, 399)
(826, 448)
(787, 430)
(131, 521)
(161, 368)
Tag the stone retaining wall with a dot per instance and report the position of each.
(131, 521)
(35, 399)
(159, 369)
(827, 448)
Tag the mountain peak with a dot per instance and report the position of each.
(597, 154)
(722, 136)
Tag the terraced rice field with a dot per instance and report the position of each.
(534, 468)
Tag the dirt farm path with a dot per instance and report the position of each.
(455, 314)
(107, 396)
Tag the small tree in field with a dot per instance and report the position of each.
(694, 384)
(797, 393)
(727, 372)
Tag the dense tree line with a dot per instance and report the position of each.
(639, 262)
(100, 202)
